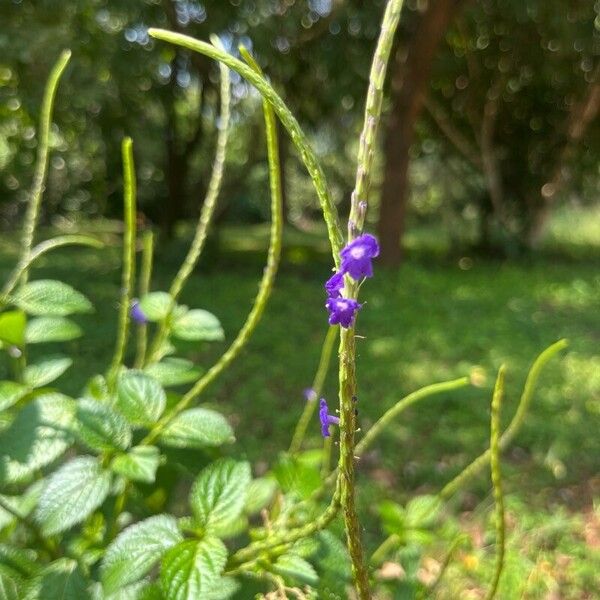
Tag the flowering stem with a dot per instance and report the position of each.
(368, 137)
(265, 287)
(317, 387)
(144, 287)
(515, 425)
(287, 119)
(206, 213)
(41, 165)
(128, 273)
(497, 481)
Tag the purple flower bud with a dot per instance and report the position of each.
(137, 314)
(334, 285)
(357, 256)
(326, 419)
(309, 394)
(342, 311)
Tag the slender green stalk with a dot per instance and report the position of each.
(207, 211)
(41, 165)
(287, 119)
(265, 287)
(384, 548)
(511, 431)
(368, 137)
(400, 406)
(317, 388)
(144, 288)
(40, 250)
(497, 481)
(129, 244)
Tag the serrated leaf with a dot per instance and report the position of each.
(71, 494)
(173, 371)
(39, 434)
(422, 511)
(61, 580)
(46, 371)
(51, 298)
(219, 493)
(294, 475)
(11, 584)
(10, 393)
(12, 327)
(51, 329)
(100, 427)
(136, 550)
(197, 428)
(191, 569)
(139, 464)
(295, 570)
(155, 305)
(222, 589)
(198, 325)
(24, 562)
(260, 493)
(140, 398)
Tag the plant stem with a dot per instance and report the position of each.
(388, 544)
(144, 288)
(265, 287)
(317, 388)
(287, 119)
(206, 213)
(497, 481)
(41, 165)
(511, 431)
(129, 244)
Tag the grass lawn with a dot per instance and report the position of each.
(428, 322)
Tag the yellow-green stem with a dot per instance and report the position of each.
(143, 289)
(129, 244)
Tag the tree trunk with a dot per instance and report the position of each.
(410, 76)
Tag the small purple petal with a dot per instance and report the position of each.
(342, 311)
(309, 394)
(326, 419)
(137, 314)
(334, 285)
(357, 256)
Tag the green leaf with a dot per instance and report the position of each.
(100, 427)
(10, 393)
(46, 371)
(198, 325)
(219, 493)
(22, 504)
(192, 569)
(223, 589)
(51, 329)
(295, 570)
(393, 518)
(197, 428)
(12, 327)
(72, 493)
(155, 305)
(39, 434)
(422, 511)
(25, 562)
(139, 464)
(11, 584)
(136, 550)
(140, 398)
(173, 371)
(61, 580)
(295, 475)
(260, 494)
(48, 297)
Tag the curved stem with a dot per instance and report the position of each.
(287, 119)
(41, 166)
(497, 481)
(381, 552)
(317, 387)
(265, 287)
(128, 274)
(206, 213)
(144, 288)
(515, 425)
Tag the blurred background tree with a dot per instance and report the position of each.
(491, 109)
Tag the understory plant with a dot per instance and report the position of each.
(132, 490)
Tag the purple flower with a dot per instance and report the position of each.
(326, 419)
(357, 256)
(309, 394)
(137, 314)
(342, 311)
(334, 285)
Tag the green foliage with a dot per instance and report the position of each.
(46, 371)
(51, 298)
(198, 325)
(100, 427)
(51, 329)
(12, 327)
(140, 398)
(139, 464)
(197, 428)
